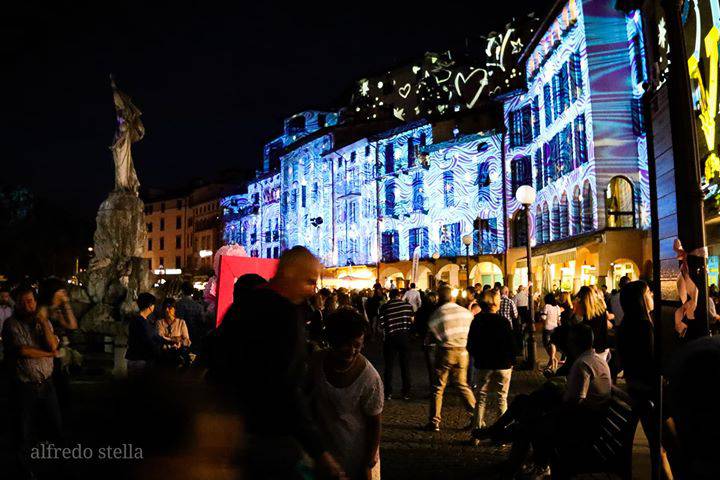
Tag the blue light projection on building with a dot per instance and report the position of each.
(388, 188)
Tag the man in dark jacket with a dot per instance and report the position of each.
(491, 344)
(144, 343)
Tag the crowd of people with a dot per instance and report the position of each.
(289, 357)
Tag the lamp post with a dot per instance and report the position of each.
(467, 241)
(525, 195)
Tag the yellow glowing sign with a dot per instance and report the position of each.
(708, 98)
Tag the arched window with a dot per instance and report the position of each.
(546, 222)
(576, 212)
(519, 228)
(555, 220)
(563, 217)
(538, 225)
(619, 204)
(588, 207)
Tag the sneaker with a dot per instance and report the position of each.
(388, 396)
(432, 427)
(406, 397)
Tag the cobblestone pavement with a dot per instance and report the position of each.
(408, 452)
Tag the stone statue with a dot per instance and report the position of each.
(118, 272)
(129, 130)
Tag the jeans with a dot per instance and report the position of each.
(497, 384)
(429, 354)
(397, 345)
(29, 403)
(452, 364)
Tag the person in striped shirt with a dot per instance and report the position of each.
(449, 324)
(395, 319)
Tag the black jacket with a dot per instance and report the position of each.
(491, 342)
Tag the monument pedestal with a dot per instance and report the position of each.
(118, 272)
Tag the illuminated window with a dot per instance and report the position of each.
(546, 223)
(521, 132)
(548, 101)
(303, 196)
(619, 202)
(538, 225)
(418, 237)
(588, 207)
(638, 59)
(485, 240)
(418, 193)
(519, 228)
(539, 170)
(520, 172)
(450, 240)
(411, 150)
(563, 216)
(483, 175)
(576, 82)
(536, 117)
(390, 243)
(555, 220)
(389, 158)
(352, 212)
(390, 198)
(563, 142)
(580, 140)
(449, 188)
(367, 150)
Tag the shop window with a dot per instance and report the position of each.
(588, 207)
(563, 216)
(519, 228)
(619, 203)
(418, 237)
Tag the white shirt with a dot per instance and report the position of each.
(412, 297)
(521, 299)
(450, 324)
(551, 317)
(589, 382)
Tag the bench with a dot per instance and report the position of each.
(610, 452)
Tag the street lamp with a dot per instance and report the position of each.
(467, 241)
(525, 195)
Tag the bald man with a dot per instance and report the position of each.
(268, 370)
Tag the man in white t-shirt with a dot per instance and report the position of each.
(412, 296)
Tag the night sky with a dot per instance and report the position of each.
(213, 81)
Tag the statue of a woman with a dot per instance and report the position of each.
(129, 130)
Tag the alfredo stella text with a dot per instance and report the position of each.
(48, 451)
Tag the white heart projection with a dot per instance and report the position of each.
(461, 82)
(405, 90)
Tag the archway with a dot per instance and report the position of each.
(450, 274)
(392, 274)
(486, 273)
(619, 203)
(424, 276)
(620, 268)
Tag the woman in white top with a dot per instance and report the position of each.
(171, 328)
(348, 397)
(551, 319)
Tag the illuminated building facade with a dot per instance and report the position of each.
(434, 151)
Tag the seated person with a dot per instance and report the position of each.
(174, 332)
(553, 415)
